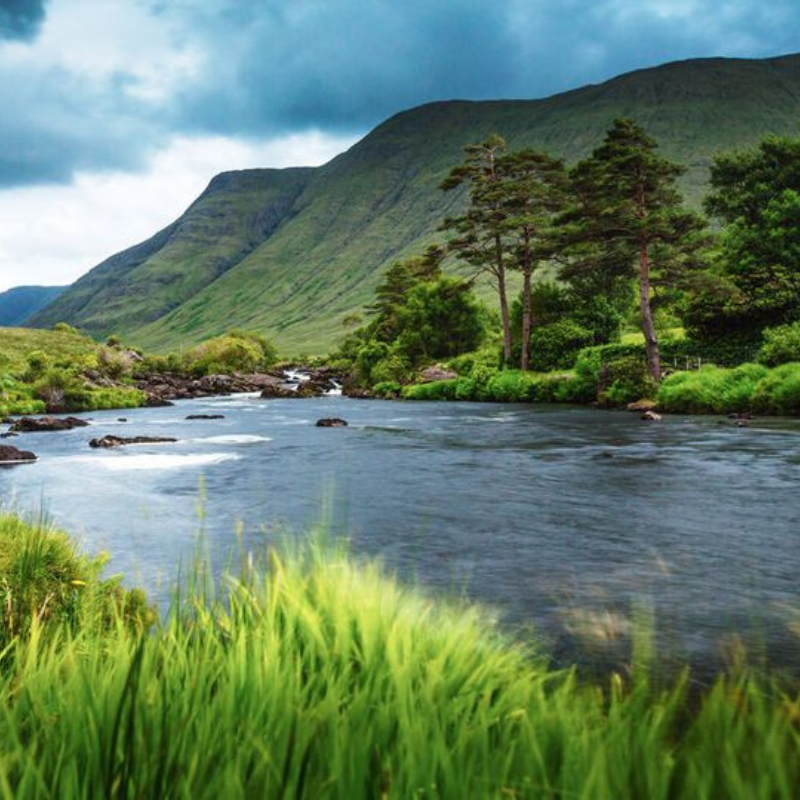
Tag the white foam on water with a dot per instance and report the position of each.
(123, 462)
(235, 438)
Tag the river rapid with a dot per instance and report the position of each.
(572, 520)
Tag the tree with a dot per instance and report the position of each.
(756, 283)
(628, 218)
(479, 231)
(399, 280)
(532, 191)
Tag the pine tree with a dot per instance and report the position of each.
(532, 192)
(479, 231)
(628, 218)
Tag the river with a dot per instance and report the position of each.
(566, 518)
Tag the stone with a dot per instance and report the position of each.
(11, 455)
(331, 422)
(650, 416)
(37, 424)
(205, 416)
(642, 405)
(120, 441)
(437, 373)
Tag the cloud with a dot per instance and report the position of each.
(106, 83)
(20, 19)
(53, 234)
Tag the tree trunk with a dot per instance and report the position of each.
(648, 328)
(500, 271)
(527, 315)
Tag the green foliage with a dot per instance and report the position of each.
(387, 389)
(555, 345)
(756, 282)
(781, 345)
(45, 582)
(627, 221)
(440, 319)
(233, 352)
(779, 391)
(716, 390)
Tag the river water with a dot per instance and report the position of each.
(567, 518)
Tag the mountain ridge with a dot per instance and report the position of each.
(337, 227)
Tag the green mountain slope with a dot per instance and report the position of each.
(17, 304)
(379, 201)
(233, 216)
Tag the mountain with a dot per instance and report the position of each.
(17, 304)
(291, 253)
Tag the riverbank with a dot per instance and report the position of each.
(308, 674)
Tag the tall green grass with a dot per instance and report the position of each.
(750, 387)
(311, 675)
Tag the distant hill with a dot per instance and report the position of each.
(291, 253)
(17, 304)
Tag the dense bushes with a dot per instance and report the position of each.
(233, 352)
(781, 345)
(750, 387)
(555, 345)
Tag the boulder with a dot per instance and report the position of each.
(119, 441)
(205, 416)
(11, 455)
(331, 422)
(650, 416)
(641, 406)
(36, 424)
(436, 373)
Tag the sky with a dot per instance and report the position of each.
(115, 114)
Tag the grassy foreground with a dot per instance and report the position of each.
(313, 676)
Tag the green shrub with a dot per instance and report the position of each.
(712, 390)
(778, 392)
(387, 389)
(511, 386)
(233, 352)
(555, 345)
(38, 363)
(437, 390)
(781, 345)
(394, 368)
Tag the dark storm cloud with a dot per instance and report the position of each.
(267, 67)
(350, 63)
(20, 19)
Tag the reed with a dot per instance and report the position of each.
(310, 674)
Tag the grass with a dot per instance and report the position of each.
(311, 675)
(16, 344)
(750, 387)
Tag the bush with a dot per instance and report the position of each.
(555, 346)
(234, 352)
(394, 368)
(781, 345)
(387, 389)
(779, 391)
(712, 390)
(437, 390)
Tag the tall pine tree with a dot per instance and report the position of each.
(532, 192)
(629, 218)
(479, 231)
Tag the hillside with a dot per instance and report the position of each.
(291, 253)
(16, 344)
(17, 304)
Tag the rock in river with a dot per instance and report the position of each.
(331, 422)
(206, 416)
(36, 424)
(11, 455)
(119, 441)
